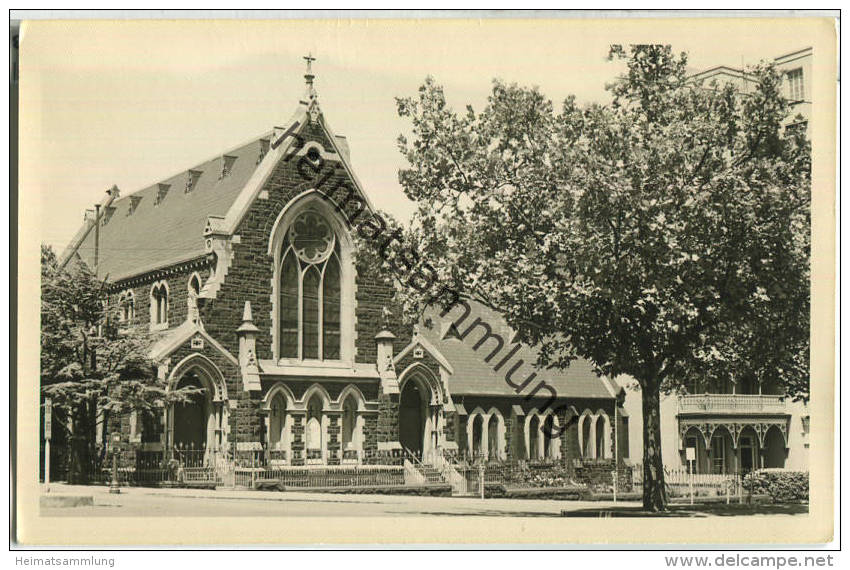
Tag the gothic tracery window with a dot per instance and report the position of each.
(310, 302)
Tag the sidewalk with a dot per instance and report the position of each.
(143, 501)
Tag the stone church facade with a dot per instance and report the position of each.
(244, 268)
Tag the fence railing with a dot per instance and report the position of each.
(731, 403)
(518, 475)
(679, 482)
(322, 477)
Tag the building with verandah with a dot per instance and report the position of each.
(740, 424)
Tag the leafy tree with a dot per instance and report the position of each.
(88, 365)
(663, 235)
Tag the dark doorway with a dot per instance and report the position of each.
(411, 418)
(747, 449)
(190, 418)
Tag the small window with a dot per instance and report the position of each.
(159, 304)
(194, 291)
(127, 307)
(796, 91)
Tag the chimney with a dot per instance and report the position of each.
(247, 333)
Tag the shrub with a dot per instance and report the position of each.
(782, 486)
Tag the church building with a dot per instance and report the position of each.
(244, 269)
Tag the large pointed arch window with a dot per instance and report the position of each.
(309, 290)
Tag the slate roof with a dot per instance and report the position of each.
(137, 239)
(472, 375)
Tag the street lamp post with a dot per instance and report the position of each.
(113, 486)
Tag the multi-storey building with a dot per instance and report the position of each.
(742, 424)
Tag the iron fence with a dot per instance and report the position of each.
(321, 477)
(518, 475)
(680, 482)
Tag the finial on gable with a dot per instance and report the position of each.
(309, 75)
(310, 96)
(248, 325)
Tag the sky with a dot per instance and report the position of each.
(108, 103)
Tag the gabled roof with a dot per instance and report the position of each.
(472, 375)
(163, 223)
(175, 338)
(419, 340)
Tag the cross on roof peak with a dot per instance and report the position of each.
(310, 97)
(309, 75)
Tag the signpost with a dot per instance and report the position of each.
(48, 424)
(691, 456)
(113, 486)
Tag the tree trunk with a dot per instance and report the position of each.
(82, 462)
(78, 459)
(654, 491)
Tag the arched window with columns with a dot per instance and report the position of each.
(193, 292)
(315, 429)
(534, 445)
(352, 423)
(495, 435)
(602, 435)
(277, 405)
(127, 307)
(586, 435)
(551, 437)
(159, 304)
(277, 423)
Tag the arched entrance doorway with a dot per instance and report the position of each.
(191, 417)
(194, 427)
(412, 412)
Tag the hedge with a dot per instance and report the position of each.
(781, 486)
